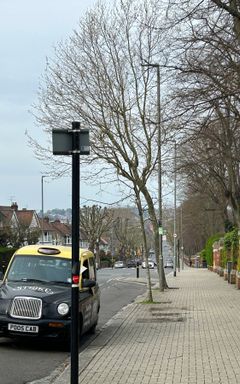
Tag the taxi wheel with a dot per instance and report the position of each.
(92, 330)
(65, 344)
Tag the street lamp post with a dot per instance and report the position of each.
(182, 248)
(159, 141)
(175, 208)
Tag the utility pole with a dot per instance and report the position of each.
(182, 247)
(159, 144)
(175, 208)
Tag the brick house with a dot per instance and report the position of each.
(8, 218)
(25, 223)
(55, 232)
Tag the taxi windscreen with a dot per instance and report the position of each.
(40, 268)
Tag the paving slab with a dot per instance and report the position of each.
(190, 334)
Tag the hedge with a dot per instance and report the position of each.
(209, 247)
(5, 256)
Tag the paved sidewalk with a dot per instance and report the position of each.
(190, 335)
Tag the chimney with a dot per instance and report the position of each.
(14, 206)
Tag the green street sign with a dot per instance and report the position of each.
(160, 230)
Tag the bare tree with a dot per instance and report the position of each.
(95, 221)
(190, 9)
(127, 231)
(205, 99)
(145, 246)
(96, 77)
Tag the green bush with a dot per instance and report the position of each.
(223, 258)
(209, 247)
(106, 262)
(231, 246)
(5, 257)
(203, 254)
(238, 264)
(229, 252)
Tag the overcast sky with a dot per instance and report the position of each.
(28, 32)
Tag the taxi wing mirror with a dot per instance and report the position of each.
(88, 283)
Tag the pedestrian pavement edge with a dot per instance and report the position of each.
(98, 341)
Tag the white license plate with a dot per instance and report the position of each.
(23, 328)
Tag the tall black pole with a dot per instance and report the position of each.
(159, 145)
(160, 223)
(42, 219)
(75, 252)
(66, 142)
(175, 210)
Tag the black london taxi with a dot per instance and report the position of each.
(35, 294)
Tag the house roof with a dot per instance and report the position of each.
(46, 225)
(6, 215)
(29, 218)
(11, 216)
(63, 228)
(25, 217)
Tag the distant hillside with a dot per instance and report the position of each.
(61, 214)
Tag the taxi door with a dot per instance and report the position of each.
(89, 295)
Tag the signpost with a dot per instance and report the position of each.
(73, 142)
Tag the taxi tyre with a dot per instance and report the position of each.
(66, 342)
(92, 330)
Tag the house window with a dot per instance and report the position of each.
(67, 239)
(47, 237)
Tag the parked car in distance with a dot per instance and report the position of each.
(131, 263)
(119, 264)
(168, 264)
(150, 264)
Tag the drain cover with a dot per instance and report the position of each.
(160, 320)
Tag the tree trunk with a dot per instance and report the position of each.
(145, 249)
(152, 214)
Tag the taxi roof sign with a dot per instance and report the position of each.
(48, 251)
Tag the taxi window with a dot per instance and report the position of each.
(85, 274)
(89, 272)
(42, 268)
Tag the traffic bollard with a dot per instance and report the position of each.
(137, 270)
